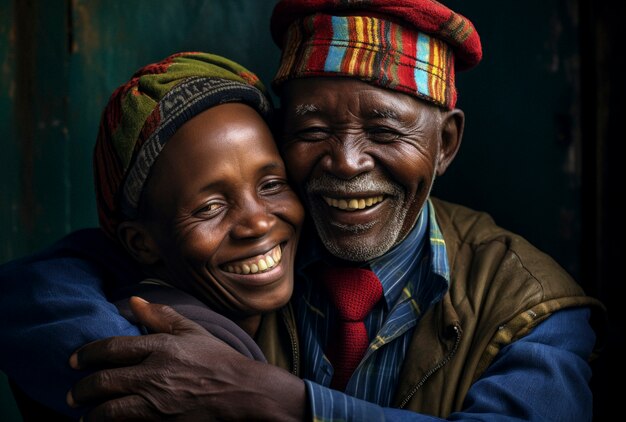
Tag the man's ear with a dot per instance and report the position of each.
(451, 134)
(138, 242)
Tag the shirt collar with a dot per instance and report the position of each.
(394, 268)
(438, 250)
(311, 249)
(425, 226)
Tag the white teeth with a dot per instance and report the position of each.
(265, 263)
(351, 204)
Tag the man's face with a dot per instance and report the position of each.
(365, 159)
(224, 220)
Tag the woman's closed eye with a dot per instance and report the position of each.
(274, 186)
(210, 209)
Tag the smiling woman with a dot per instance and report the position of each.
(60, 62)
(219, 219)
(190, 184)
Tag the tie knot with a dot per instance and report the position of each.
(354, 291)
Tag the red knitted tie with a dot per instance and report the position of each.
(354, 291)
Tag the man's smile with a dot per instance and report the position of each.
(353, 204)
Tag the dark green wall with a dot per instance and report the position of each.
(60, 61)
(520, 159)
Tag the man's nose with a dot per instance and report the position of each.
(347, 159)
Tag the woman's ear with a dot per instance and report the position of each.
(138, 242)
(451, 133)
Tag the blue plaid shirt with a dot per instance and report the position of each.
(414, 275)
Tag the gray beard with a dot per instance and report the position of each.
(358, 252)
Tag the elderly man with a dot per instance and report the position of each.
(408, 307)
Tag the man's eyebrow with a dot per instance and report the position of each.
(385, 113)
(302, 109)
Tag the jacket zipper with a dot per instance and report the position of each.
(435, 369)
(294, 346)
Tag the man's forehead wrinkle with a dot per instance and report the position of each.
(303, 109)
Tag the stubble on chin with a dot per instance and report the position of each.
(356, 245)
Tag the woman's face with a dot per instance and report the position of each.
(221, 214)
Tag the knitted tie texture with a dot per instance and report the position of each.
(354, 292)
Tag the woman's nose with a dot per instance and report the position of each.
(253, 221)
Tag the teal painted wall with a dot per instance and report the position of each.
(520, 159)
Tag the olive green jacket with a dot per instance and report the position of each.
(500, 288)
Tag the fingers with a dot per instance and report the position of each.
(114, 351)
(135, 398)
(161, 318)
(137, 408)
(129, 350)
(137, 362)
(128, 408)
(105, 384)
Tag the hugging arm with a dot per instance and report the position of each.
(524, 382)
(52, 303)
(181, 373)
(542, 376)
(44, 319)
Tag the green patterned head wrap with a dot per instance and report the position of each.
(145, 112)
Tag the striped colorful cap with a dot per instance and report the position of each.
(411, 46)
(146, 111)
